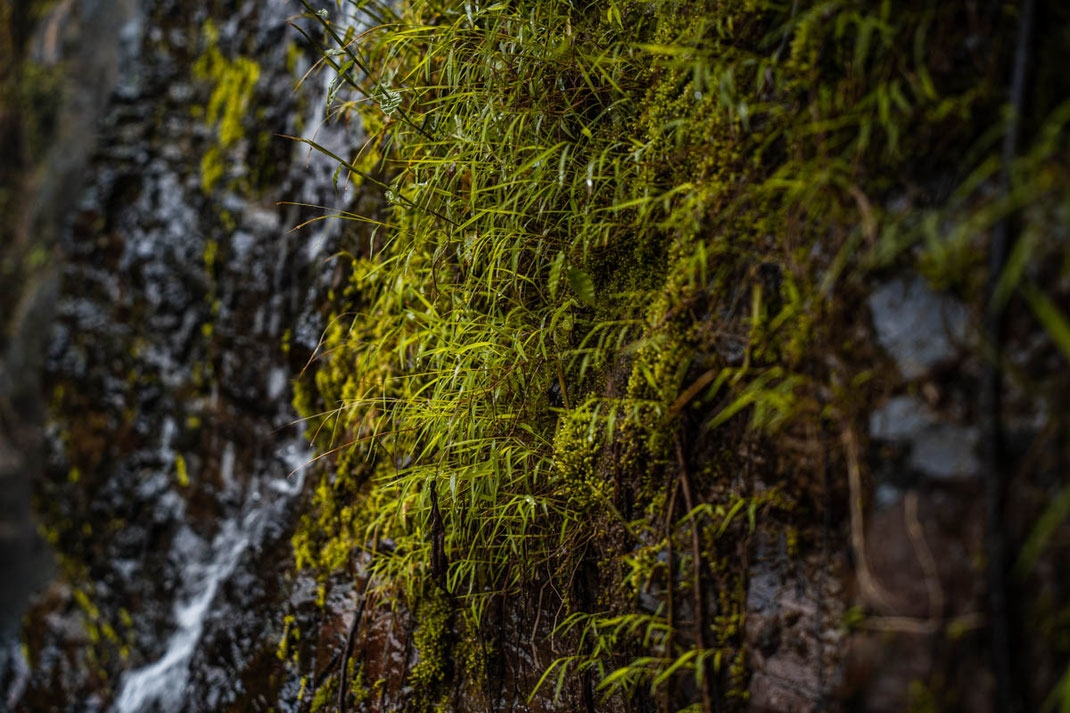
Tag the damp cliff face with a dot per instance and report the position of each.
(56, 71)
(58, 64)
(651, 384)
(184, 305)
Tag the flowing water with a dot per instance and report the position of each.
(165, 680)
(174, 463)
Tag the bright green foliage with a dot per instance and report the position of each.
(603, 222)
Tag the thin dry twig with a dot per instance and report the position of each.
(709, 697)
(871, 588)
(669, 577)
(348, 651)
(922, 626)
(691, 392)
(924, 555)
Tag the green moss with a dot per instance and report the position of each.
(472, 655)
(357, 692)
(921, 698)
(181, 470)
(212, 168)
(292, 55)
(233, 83)
(433, 641)
(577, 446)
(288, 632)
(40, 98)
(106, 646)
(324, 695)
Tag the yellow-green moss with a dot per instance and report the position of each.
(181, 470)
(432, 640)
(288, 632)
(324, 694)
(577, 446)
(233, 83)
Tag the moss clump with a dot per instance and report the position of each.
(323, 695)
(577, 446)
(433, 642)
(233, 83)
(181, 470)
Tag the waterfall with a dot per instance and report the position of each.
(163, 682)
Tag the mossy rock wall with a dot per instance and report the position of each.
(639, 361)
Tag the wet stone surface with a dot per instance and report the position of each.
(792, 634)
(937, 449)
(174, 464)
(919, 328)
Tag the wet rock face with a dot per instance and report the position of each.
(173, 462)
(55, 83)
(936, 449)
(920, 541)
(918, 327)
(793, 630)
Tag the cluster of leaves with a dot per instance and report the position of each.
(614, 240)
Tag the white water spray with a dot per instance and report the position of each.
(164, 682)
